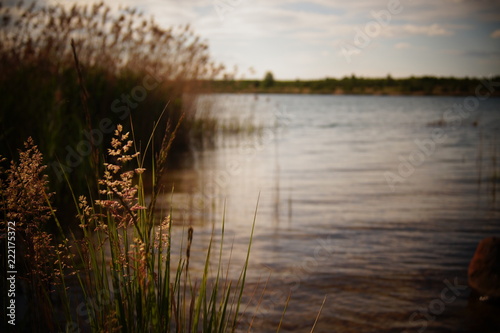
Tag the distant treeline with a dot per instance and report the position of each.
(424, 85)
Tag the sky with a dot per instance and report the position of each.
(335, 38)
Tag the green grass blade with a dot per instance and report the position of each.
(244, 272)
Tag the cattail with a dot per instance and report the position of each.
(188, 248)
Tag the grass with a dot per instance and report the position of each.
(209, 128)
(119, 275)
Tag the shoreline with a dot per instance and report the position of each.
(279, 92)
(412, 86)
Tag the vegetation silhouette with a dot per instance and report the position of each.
(127, 69)
(424, 85)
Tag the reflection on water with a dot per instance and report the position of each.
(376, 202)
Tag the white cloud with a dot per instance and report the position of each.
(495, 34)
(429, 30)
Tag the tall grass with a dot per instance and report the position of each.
(120, 276)
(118, 51)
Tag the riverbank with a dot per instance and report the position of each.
(411, 86)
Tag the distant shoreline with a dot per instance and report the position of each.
(412, 86)
(494, 95)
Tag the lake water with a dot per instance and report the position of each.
(376, 202)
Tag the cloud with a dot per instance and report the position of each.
(429, 30)
(495, 34)
(260, 32)
(402, 46)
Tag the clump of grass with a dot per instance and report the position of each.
(41, 260)
(208, 128)
(237, 126)
(122, 262)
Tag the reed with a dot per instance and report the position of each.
(120, 275)
(120, 54)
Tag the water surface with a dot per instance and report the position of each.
(330, 223)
